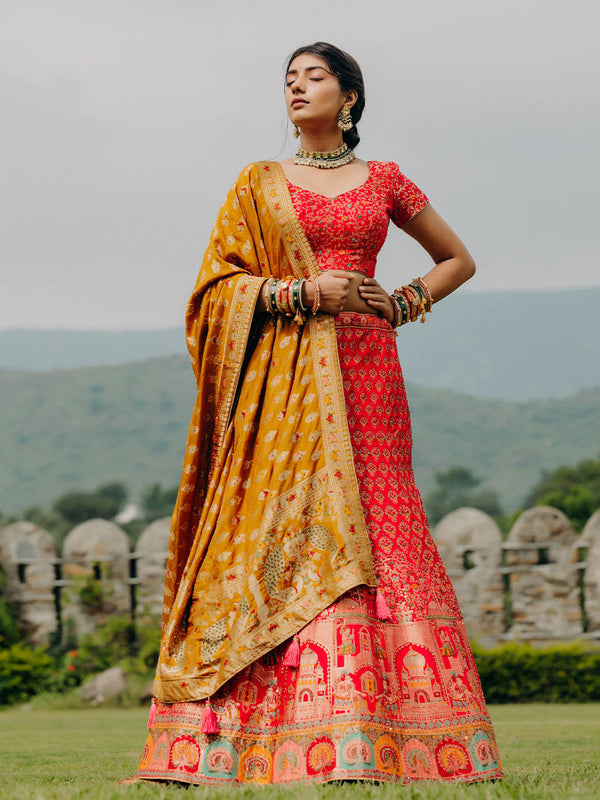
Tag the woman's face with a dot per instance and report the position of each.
(312, 92)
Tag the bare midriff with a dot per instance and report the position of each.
(354, 302)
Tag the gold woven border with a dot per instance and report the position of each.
(236, 335)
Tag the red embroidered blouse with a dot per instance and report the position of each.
(348, 231)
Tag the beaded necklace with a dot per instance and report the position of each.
(328, 159)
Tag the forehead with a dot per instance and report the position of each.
(308, 61)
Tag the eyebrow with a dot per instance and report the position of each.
(308, 69)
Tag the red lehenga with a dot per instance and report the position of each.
(395, 699)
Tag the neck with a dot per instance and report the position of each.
(321, 142)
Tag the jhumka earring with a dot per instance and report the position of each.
(344, 119)
(296, 132)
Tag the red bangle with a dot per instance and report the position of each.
(280, 306)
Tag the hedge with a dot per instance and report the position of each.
(521, 673)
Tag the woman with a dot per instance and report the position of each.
(310, 630)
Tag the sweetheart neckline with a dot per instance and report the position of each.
(335, 196)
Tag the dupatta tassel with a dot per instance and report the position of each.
(381, 607)
(210, 723)
(152, 713)
(292, 654)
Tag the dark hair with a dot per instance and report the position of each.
(348, 73)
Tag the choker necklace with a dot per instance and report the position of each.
(328, 159)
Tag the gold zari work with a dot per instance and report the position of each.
(264, 537)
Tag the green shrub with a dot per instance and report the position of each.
(521, 673)
(9, 628)
(24, 671)
(149, 648)
(92, 593)
(110, 644)
(118, 642)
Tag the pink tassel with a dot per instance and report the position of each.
(381, 607)
(292, 654)
(152, 713)
(210, 724)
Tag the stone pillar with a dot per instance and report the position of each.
(590, 539)
(544, 578)
(151, 560)
(470, 544)
(28, 555)
(96, 571)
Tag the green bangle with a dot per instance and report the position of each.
(271, 302)
(296, 295)
(404, 309)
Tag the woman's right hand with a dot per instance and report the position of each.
(334, 286)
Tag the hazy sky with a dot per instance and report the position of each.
(124, 122)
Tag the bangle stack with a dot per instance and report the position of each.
(285, 297)
(410, 302)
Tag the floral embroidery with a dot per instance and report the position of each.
(348, 231)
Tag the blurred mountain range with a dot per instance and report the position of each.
(497, 345)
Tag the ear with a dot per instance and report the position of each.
(351, 97)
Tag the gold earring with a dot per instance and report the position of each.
(344, 119)
(296, 132)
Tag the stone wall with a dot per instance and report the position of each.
(29, 558)
(470, 544)
(544, 576)
(541, 584)
(590, 544)
(97, 576)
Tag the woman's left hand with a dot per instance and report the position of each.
(377, 297)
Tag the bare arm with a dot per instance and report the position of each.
(453, 263)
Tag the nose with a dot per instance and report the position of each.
(296, 85)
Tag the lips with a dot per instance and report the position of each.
(296, 103)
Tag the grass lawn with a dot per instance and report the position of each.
(549, 751)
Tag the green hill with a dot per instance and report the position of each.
(80, 428)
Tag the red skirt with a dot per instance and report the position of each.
(371, 699)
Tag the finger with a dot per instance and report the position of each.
(367, 287)
(337, 273)
(377, 289)
(373, 293)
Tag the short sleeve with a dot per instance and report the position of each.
(407, 199)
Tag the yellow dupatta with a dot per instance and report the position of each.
(268, 529)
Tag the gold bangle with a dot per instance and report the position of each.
(317, 298)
